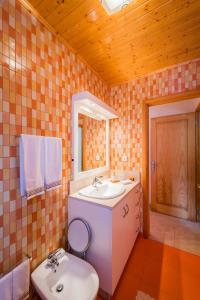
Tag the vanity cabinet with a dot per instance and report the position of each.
(114, 231)
(126, 227)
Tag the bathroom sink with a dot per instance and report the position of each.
(106, 190)
(74, 279)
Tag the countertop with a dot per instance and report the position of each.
(108, 203)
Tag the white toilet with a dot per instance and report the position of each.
(73, 278)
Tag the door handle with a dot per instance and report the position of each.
(153, 165)
(127, 208)
(124, 209)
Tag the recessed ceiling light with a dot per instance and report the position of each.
(112, 6)
(92, 16)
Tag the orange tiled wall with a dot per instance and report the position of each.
(38, 76)
(127, 99)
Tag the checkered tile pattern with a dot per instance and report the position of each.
(127, 99)
(38, 76)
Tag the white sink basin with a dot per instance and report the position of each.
(79, 279)
(106, 190)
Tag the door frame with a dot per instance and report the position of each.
(197, 148)
(146, 103)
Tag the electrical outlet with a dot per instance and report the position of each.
(97, 157)
(124, 158)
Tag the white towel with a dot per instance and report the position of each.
(31, 165)
(6, 287)
(21, 281)
(53, 162)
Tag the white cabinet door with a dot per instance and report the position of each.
(125, 231)
(130, 222)
(119, 241)
(99, 254)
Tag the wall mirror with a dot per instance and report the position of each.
(91, 142)
(90, 135)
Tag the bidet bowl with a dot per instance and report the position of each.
(106, 190)
(74, 279)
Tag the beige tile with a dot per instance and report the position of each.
(175, 232)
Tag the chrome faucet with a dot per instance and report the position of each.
(53, 260)
(96, 181)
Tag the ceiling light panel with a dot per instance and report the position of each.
(112, 6)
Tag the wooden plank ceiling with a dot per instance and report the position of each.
(143, 37)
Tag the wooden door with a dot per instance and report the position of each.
(173, 165)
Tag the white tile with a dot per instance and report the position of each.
(12, 162)
(24, 242)
(5, 151)
(12, 21)
(6, 242)
(12, 205)
(12, 249)
(5, 106)
(24, 121)
(12, 119)
(6, 196)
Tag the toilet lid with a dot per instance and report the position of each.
(79, 235)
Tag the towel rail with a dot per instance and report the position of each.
(26, 256)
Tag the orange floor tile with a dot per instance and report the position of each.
(161, 271)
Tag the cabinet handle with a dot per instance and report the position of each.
(137, 217)
(127, 209)
(124, 215)
(137, 203)
(137, 191)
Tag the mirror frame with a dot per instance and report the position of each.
(77, 100)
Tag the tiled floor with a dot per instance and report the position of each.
(179, 233)
(160, 271)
